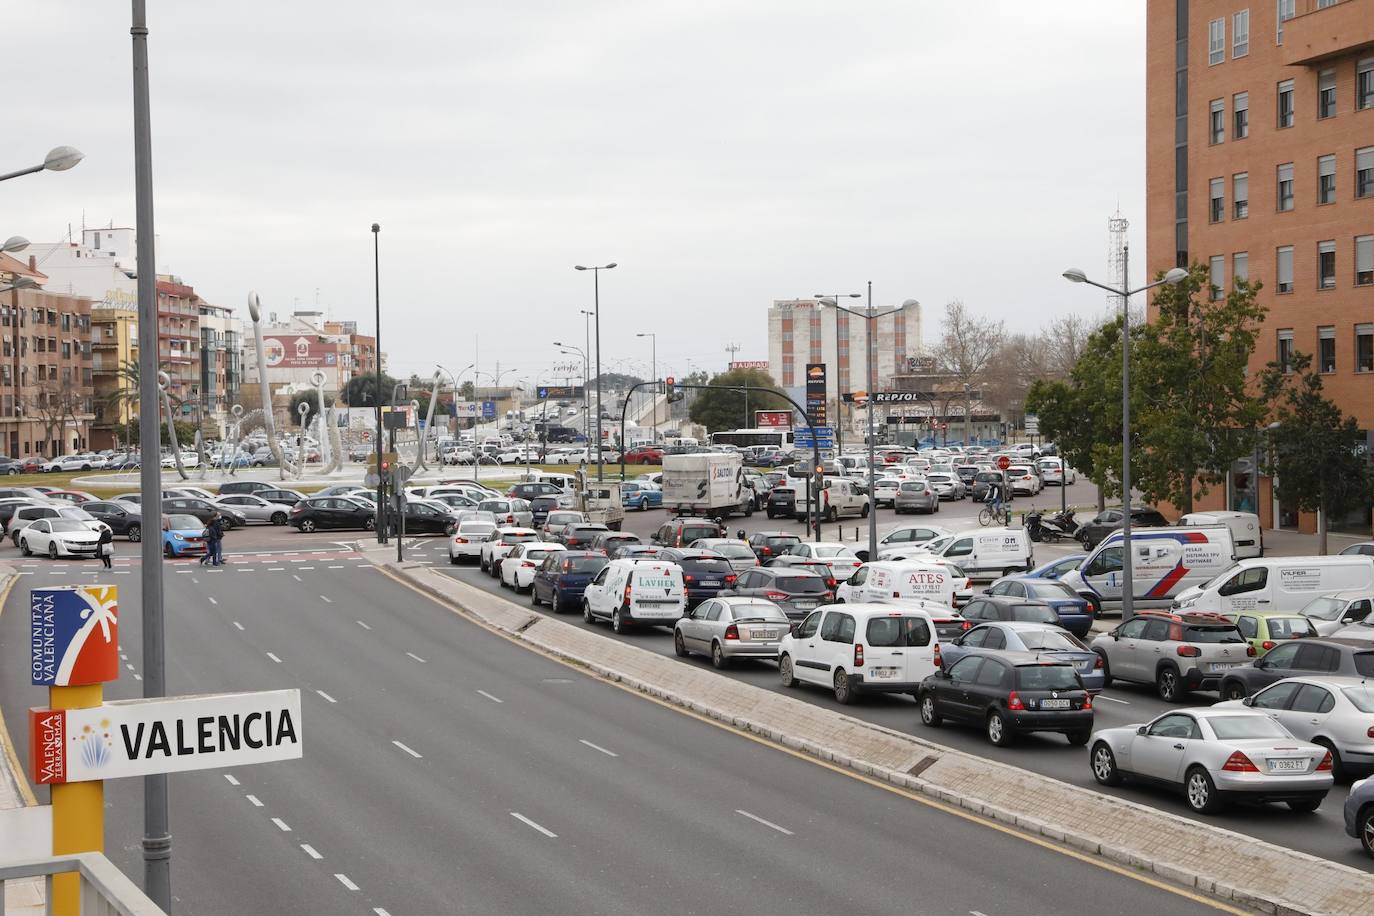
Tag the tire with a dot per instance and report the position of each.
(844, 691)
(168, 552)
(1232, 690)
(985, 517)
(52, 551)
(308, 525)
(831, 515)
(12, 471)
(24, 548)
(1200, 792)
(999, 733)
(278, 518)
(618, 623)
(1104, 765)
(929, 717)
(452, 560)
(785, 671)
(679, 647)
(555, 604)
(369, 524)
(534, 596)
(1304, 805)
(15, 538)
(718, 658)
(587, 612)
(864, 513)
(1167, 685)
(1079, 739)
(1364, 824)
(1106, 670)
(482, 564)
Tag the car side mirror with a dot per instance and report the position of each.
(1346, 620)
(793, 627)
(1140, 730)
(987, 591)
(1248, 701)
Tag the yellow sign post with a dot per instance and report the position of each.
(78, 808)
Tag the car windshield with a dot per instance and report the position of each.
(1323, 608)
(1050, 641)
(836, 551)
(888, 632)
(733, 551)
(1050, 590)
(780, 542)
(691, 532)
(1211, 634)
(758, 611)
(182, 522)
(1235, 727)
(563, 518)
(538, 553)
(805, 584)
(706, 566)
(1033, 613)
(62, 524)
(1290, 628)
(521, 538)
(913, 486)
(1047, 677)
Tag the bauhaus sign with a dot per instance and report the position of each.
(164, 735)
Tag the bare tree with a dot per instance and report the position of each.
(54, 404)
(968, 344)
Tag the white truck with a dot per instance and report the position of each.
(707, 483)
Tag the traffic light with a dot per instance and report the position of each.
(820, 477)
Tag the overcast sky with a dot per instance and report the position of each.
(723, 152)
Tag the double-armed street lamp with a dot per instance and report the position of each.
(596, 319)
(1173, 278)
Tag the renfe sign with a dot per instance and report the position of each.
(164, 735)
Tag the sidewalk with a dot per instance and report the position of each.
(24, 897)
(1207, 859)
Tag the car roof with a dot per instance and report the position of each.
(1329, 680)
(1019, 659)
(1021, 625)
(782, 572)
(1344, 642)
(516, 529)
(878, 609)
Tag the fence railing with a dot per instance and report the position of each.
(105, 891)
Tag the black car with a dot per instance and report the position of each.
(333, 512)
(782, 502)
(531, 490)
(769, 544)
(203, 510)
(244, 486)
(1329, 657)
(1109, 520)
(705, 573)
(563, 576)
(420, 518)
(978, 489)
(123, 519)
(819, 567)
(580, 535)
(540, 507)
(610, 542)
(1005, 607)
(1009, 694)
(798, 591)
(681, 532)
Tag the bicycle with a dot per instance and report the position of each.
(994, 514)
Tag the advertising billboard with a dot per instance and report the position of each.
(815, 393)
(300, 351)
(772, 419)
(750, 364)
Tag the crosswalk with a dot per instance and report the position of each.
(294, 561)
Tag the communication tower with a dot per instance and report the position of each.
(1116, 258)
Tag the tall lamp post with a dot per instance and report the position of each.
(59, 158)
(869, 317)
(587, 316)
(596, 319)
(653, 350)
(1173, 278)
(377, 394)
(839, 395)
(569, 350)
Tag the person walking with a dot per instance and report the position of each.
(214, 541)
(105, 546)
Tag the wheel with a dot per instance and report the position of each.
(24, 548)
(864, 513)
(618, 623)
(168, 552)
(844, 691)
(1305, 805)
(452, 560)
(1104, 765)
(1233, 690)
(831, 514)
(52, 551)
(1079, 739)
(1106, 670)
(999, 733)
(15, 538)
(308, 525)
(482, 564)
(1035, 535)
(555, 604)
(1168, 686)
(534, 596)
(985, 517)
(279, 518)
(12, 471)
(587, 612)
(679, 646)
(785, 671)
(1201, 792)
(369, 524)
(718, 658)
(929, 716)
(1365, 825)
(1338, 771)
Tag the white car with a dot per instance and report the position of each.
(946, 484)
(465, 544)
(1335, 712)
(885, 490)
(629, 592)
(59, 537)
(861, 648)
(839, 557)
(904, 538)
(27, 515)
(508, 511)
(73, 463)
(499, 543)
(255, 508)
(1055, 471)
(188, 460)
(1025, 479)
(518, 567)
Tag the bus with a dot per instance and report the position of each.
(744, 438)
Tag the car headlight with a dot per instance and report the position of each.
(177, 537)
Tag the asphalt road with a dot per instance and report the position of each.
(448, 770)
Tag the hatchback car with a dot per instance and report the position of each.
(608, 542)
(1092, 532)
(499, 543)
(736, 550)
(124, 520)
(885, 491)
(1005, 607)
(1074, 613)
(681, 532)
(557, 520)
(580, 535)
(508, 511)
(255, 508)
(183, 536)
(1037, 638)
(641, 496)
(332, 512)
(781, 502)
(243, 486)
(797, 591)
(916, 495)
(1330, 657)
(1267, 629)
(769, 544)
(465, 544)
(705, 573)
(517, 568)
(1009, 694)
(729, 628)
(203, 509)
(947, 486)
(561, 578)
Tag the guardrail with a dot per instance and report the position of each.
(105, 891)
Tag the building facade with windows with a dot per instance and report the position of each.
(1260, 164)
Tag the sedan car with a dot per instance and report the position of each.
(641, 496)
(1333, 611)
(277, 495)
(1335, 712)
(256, 509)
(729, 628)
(517, 568)
(915, 494)
(1038, 638)
(183, 536)
(465, 544)
(1005, 607)
(1074, 613)
(333, 512)
(1215, 755)
(947, 486)
(1009, 694)
(837, 556)
(59, 537)
(202, 509)
(885, 491)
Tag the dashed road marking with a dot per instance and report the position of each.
(211, 599)
(597, 747)
(310, 851)
(490, 697)
(414, 753)
(254, 800)
(326, 696)
(237, 624)
(274, 658)
(416, 657)
(326, 599)
(343, 879)
(281, 825)
(524, 820)
(231, 779)
(360, 623)
(766, 823)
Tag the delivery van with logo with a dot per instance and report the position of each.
(628, 593)
(1279, 583)
(883, 580)
(1164, 563)
(989, 553)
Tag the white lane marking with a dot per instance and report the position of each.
(237, 624)
(26, 574)
(138, 677)
(333, 567)
(183, 572)
(1111, 699)
(195, 580)
(307, 567)
(212, 599)
(281, 824)
(123, 656)
(232, 780)
(122, 572)
(597, 747)
(326, 599)
(524, 820)
(297, 578)
(976, 913)
(276, 569)
(326, 696)
(378, 911)
(755, 817)
(359, 622)
(413, 753)
(274, 658)
(310, 851)
(130, 667)
(490, 697)
(343, 879)
(416, 657)
(254, 800)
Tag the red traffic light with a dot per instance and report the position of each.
(669, 380)
(386, 465)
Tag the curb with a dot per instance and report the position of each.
(1136, 859)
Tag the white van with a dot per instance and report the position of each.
(988, 553)
(861, 648)
(627, 593)
(1279, 583)
(842, 496)
(883, 580)
(1165, 562)
(1246, 532)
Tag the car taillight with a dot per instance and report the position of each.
(1088, 702)
(828, 596)
(627, 593)
(831, 583)
(776, 596)
(460, 540)
(1239, 763)
(730, 578)
(858, 655)
(1370, 733)
(1268, 644)
(935, 657)
(1327, 763)
(1250, 650)
(527, 564)
(510, 519)
(1188, 651)
(1014, 701)
(732, 632)
(1097, 663)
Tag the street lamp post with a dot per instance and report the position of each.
(587, 372)
(1173, 277)
(59, 158)
(596, 318)
(653, 350)
(377, 394)
(839, 395)
(569, 349)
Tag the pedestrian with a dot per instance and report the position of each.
(217, 540)
(105, 546)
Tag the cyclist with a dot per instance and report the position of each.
(995, 497)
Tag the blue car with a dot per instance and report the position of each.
(1056, 568)
(641, 496)
(1040, 638)
(1359, 813)
(183, 536)
(1075, 614)
(561, 579)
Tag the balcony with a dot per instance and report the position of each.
(1333, 31)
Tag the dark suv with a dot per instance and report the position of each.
(782, 501)
(797, 591)
(769, 544)
(681, 532)
(1109, 520)
(531, 490)
(705, 573)
(1330, 657)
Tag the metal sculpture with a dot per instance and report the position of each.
(331, 450)
(429, 420)
(229, 455)
(163, 381)
(284, 467)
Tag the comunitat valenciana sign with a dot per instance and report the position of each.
(73, 635)
(164, 735)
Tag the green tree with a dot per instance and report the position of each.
(361, 390)
(309, 397)
(1315, 452)
(186, 433)
(124, 399)
(718, 408)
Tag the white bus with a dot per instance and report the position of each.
(743, 438)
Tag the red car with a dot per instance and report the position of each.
(644, 454)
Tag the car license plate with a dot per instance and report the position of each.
(1055, 704)
(1288, 764)
(804, 603)
(882, 674)
(710, 583)
(763, 634)
(1223, 666)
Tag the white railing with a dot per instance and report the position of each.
(105, 891)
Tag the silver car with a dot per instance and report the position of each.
(1215, 755)
(916, 495)
(1333, 611)
(1335, 712)
(730, 628)
(739, 553)
(946, 486)
(509, 511)
(255, 508)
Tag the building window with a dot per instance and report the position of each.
(1287, 10)
(1326, 265)
(1326, 180)
(1217, 191)
(1240, 107)
(1364, 84)
(1240, 194)
(1326, 349)
(1286, 103)
(1364, 172)
(1364, 348)
(1216, 41)
(1285, 350)
(1216, 277)
(1326, 94)
(1285, 190)
(1240, 34)
(1364, 260)
(1283, 267)
(1216, 130)
(1240, 267)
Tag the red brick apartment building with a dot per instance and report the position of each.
(1260, 163)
